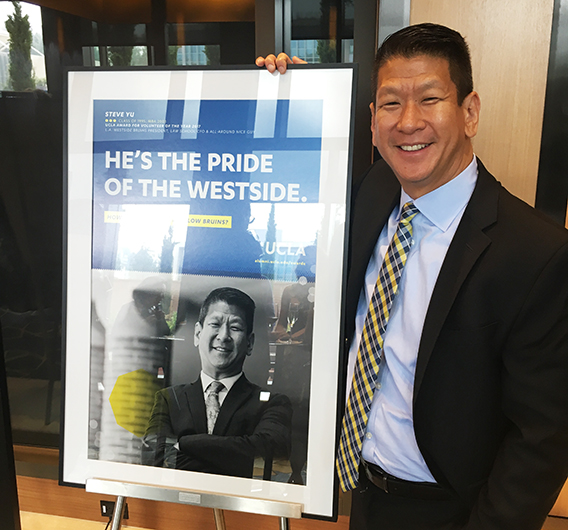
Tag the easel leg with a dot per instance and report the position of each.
(117, 514)
(284, 523)
(219, 519)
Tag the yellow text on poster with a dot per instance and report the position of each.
(113, 217)
(210, 221)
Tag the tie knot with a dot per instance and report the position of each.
(215, 387)
(408, 213)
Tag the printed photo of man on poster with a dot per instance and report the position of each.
(221, 422)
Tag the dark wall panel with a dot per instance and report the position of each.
(552, 186)
(9, 511)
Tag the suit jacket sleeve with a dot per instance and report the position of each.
(226, 453)
(159, 438)
(532, 461)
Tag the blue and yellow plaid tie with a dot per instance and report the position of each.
(370, 350)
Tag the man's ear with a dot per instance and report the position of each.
(197, 333)
(250, 344)
(471, 107)
(373, 124)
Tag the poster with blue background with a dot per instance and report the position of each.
(221, 176)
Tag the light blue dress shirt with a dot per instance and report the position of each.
(389, 440)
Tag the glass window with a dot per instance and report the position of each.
(31, 74)
(117, 56)
(201, 54)
(322, 30)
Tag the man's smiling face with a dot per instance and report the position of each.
(418, 126)
(223, 341)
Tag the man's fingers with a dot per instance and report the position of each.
(282, 62)
(271, 62)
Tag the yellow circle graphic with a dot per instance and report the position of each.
(132, 399)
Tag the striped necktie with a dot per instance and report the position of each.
(212, 405)
(370, 351)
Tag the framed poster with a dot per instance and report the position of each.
(206, 222)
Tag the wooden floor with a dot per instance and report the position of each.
(38, 521)
(556, 523)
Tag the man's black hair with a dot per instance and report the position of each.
(432, 40)
(230, 296)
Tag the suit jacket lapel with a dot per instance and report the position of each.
(196, 405)
(378, 194)
(376, 198)
(467, 246)
(238, 394)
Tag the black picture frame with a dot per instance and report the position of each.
(315, 106)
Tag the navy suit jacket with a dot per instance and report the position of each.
(246, 427)
(490, 402)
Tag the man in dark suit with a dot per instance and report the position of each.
(221, 422)
(468, 423)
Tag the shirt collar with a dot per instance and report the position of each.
(442, 205)
(227, 381)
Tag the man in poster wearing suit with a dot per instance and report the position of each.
(221, 422)
(468, 418)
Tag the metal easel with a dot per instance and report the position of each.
(218, 514)
(220, 520)
(219, 503)
(118, 513)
